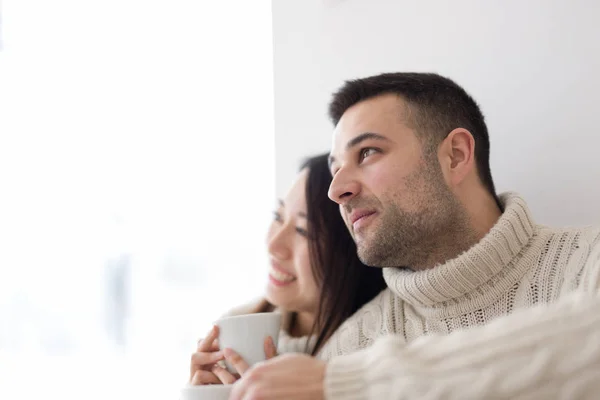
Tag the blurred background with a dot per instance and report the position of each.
(143, 144)
(136, 186)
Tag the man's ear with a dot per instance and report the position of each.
(457, 156)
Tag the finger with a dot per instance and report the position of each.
(236, 361)
(200, 359)
(204, 378)
(213, 347)
(204, 361)
(225, 376)
(206, 344)
(270, 349)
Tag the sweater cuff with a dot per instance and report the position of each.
(345, 377)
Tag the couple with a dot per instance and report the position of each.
(481, 302)
(316, 278)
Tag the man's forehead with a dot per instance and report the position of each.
(363, 115)
(372, 115)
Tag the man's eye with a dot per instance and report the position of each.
(277, 216)
(366, 152)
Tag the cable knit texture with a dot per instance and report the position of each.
(515, 316)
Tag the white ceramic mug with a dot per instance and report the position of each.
(206, 392)
(246, 334)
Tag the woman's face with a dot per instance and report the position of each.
(291, 283)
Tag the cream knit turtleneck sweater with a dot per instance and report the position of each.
(517, 316)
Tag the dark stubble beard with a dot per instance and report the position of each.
(437, 232)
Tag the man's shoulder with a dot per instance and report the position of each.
(566, 237)
(588, 250)
(576, 250)
(378, 316)
(375, 319)
(586, 232)
(382, 304)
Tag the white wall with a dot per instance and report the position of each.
(533, 66)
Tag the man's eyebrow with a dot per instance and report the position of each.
(365, 136)
(357, 140)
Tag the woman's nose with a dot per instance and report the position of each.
(277, 243)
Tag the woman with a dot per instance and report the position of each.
(315, 279)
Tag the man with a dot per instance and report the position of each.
(481, 302)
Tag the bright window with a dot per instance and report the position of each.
(136, 179)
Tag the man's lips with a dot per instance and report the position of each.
(359, 214)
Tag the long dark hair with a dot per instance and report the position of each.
(345, 283)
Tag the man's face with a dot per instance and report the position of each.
(392, 193)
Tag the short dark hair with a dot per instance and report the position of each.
(437, 106)
(345, 283)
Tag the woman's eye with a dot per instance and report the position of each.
(302, 231)
(277, 216)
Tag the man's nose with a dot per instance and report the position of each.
(343, 187)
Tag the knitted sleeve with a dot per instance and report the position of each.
(545, 352)
(590, 279)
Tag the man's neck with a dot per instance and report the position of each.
(482, 213)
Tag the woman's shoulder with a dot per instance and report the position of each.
(255, 306)
(289, 344)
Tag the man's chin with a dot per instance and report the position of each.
(365, 254)
(372, 255)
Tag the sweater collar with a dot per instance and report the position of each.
(486, 269)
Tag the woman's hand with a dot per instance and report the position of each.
(204, 360)
(242, 366)
(204, 369)
(270, 349)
